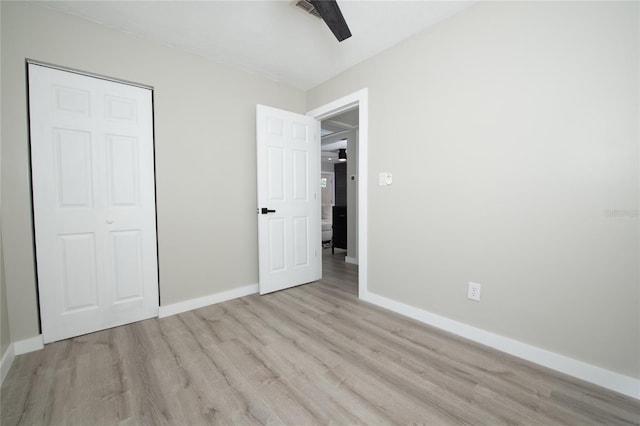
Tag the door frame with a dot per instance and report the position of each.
(360, 100)
(90, 74)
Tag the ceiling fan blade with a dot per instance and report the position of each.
(332, 16)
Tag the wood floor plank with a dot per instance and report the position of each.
(29, 402)
(438, 366)
(313, 354)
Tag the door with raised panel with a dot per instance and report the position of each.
(94, 202)
(289, 247)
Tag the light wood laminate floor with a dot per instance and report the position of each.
(313, 354)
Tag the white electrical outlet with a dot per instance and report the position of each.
(474, 291)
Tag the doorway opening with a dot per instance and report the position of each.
(349, 115)
(339, 165)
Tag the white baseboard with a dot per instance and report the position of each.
(18, 348)
(6, 361)
(29, 345)
(211, 299)
(351, 260)
(607, 379)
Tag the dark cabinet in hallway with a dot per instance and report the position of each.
(340, 209)
(339, 227)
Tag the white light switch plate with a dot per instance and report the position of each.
(385, 178)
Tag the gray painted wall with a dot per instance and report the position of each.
(327, 167)
(207, 228)
(512, 132)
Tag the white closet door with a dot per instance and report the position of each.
(94, 202)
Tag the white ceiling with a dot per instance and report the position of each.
(271, 38)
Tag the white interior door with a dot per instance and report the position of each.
(94, 202)
(288, 147)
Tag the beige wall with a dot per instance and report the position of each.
(205, 153)
(5, 336)
(511, 131)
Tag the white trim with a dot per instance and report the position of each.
(608, 379)
(18, 348)
(351, 260)
(6, 362)
(31, 344)
(88, 74)
(360, 100)
(211, 299)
